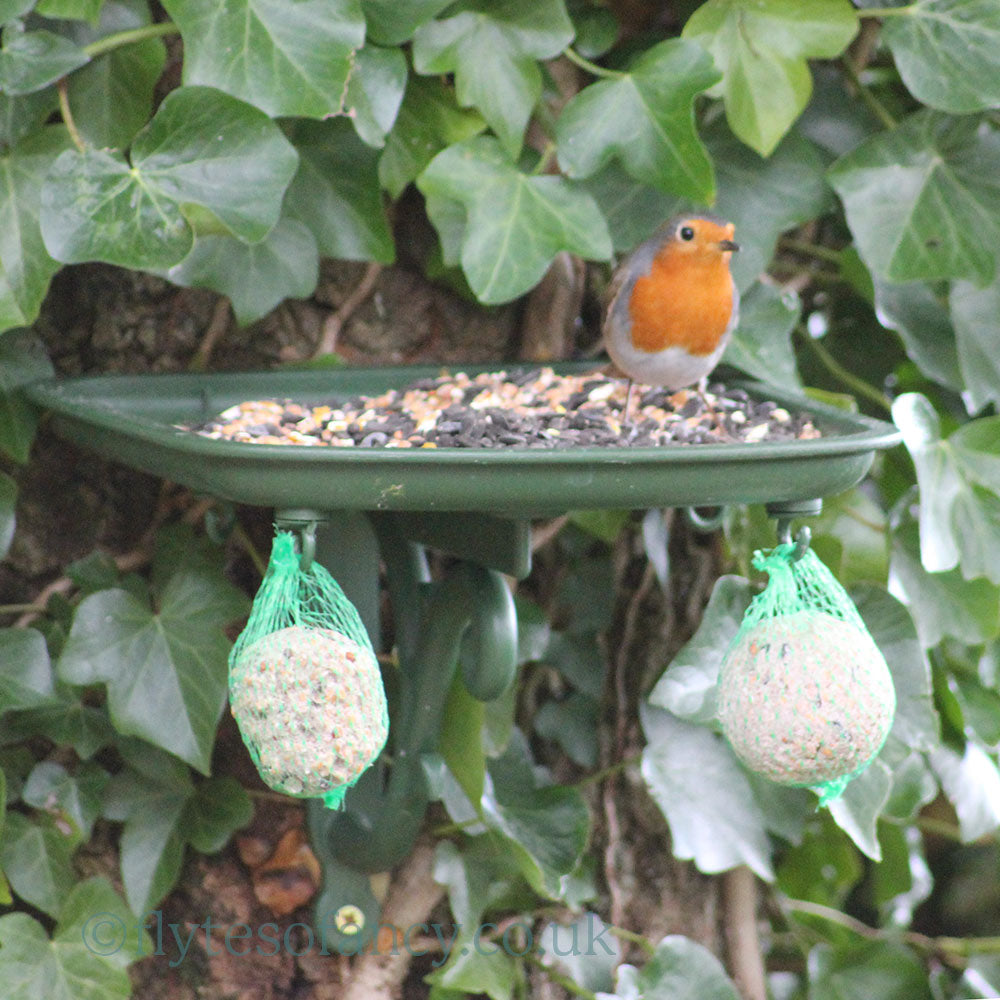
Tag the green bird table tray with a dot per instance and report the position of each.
(354, 503)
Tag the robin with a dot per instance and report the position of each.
(673, 305)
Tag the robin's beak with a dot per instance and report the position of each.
(728, 246)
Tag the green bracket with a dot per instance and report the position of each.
(785, 512)
(499, 543)
(466, 618)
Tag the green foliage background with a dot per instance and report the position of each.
(857, 152)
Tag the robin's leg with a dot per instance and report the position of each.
(626, 418)
(701, 388)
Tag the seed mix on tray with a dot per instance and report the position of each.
(530, 408)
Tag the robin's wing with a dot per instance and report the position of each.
(734, 318)
(634, 266)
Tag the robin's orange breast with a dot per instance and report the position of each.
(681, 303)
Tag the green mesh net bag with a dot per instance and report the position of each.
(304, 683)
(805, 697)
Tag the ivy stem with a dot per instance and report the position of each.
(130, 37)
(243, 540)
(607, 772)
(67, 116)
(592, 68)
(447, 829)
(959, 947)
(877, 108)
(812, 249)
(570, 985)
(647, 946)
(548, 153)
(884, 11)
(832, 365)
(17, 609)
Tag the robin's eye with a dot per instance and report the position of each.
(686, 233)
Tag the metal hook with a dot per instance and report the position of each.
(305, 523)
(705, 523)
(784, 530)
(802, 538)
(307, 539)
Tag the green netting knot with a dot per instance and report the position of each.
(805, 696)
(304, 683)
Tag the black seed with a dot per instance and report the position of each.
(692, 407)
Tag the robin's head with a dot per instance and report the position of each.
(699, 237)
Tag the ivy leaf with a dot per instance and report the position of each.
(429, 119)
(81, 10)
(22, 115)
(8, 499)
(924, 325)
(762, 342)
(942, 604)
(493, 50)
(37, 859)
(972, 783)
(857, 810)
(490, 971)
(67, 722)
(165, 669)
(202, 148)
(687, 687)
(644, 119)
(545, 826)
(460, 740)
(112, 97)
(78, 962)
(633, 210)
(149, 797)
(162, 811)
(287, 59)
(923, 200)
(823, 865)
(976, 315)
(76, 927)
(764, 198)
(596, 27)
(946, 51)
(851, 537)
(335, 192)
(851, 973)
(476, 879)
(891, 626)
(913, 787)
(515, 224)
(572, 724)
(585, 949)
(52, 788)
(704, 794)
(26, 678)
(762, 48)
(25, 265)
(31, 60)
(217, 808)
(680, 969)
(12, 9)
(254, 276)
(958, 482)
(374, 92)
(22, 360)
(391, 22)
